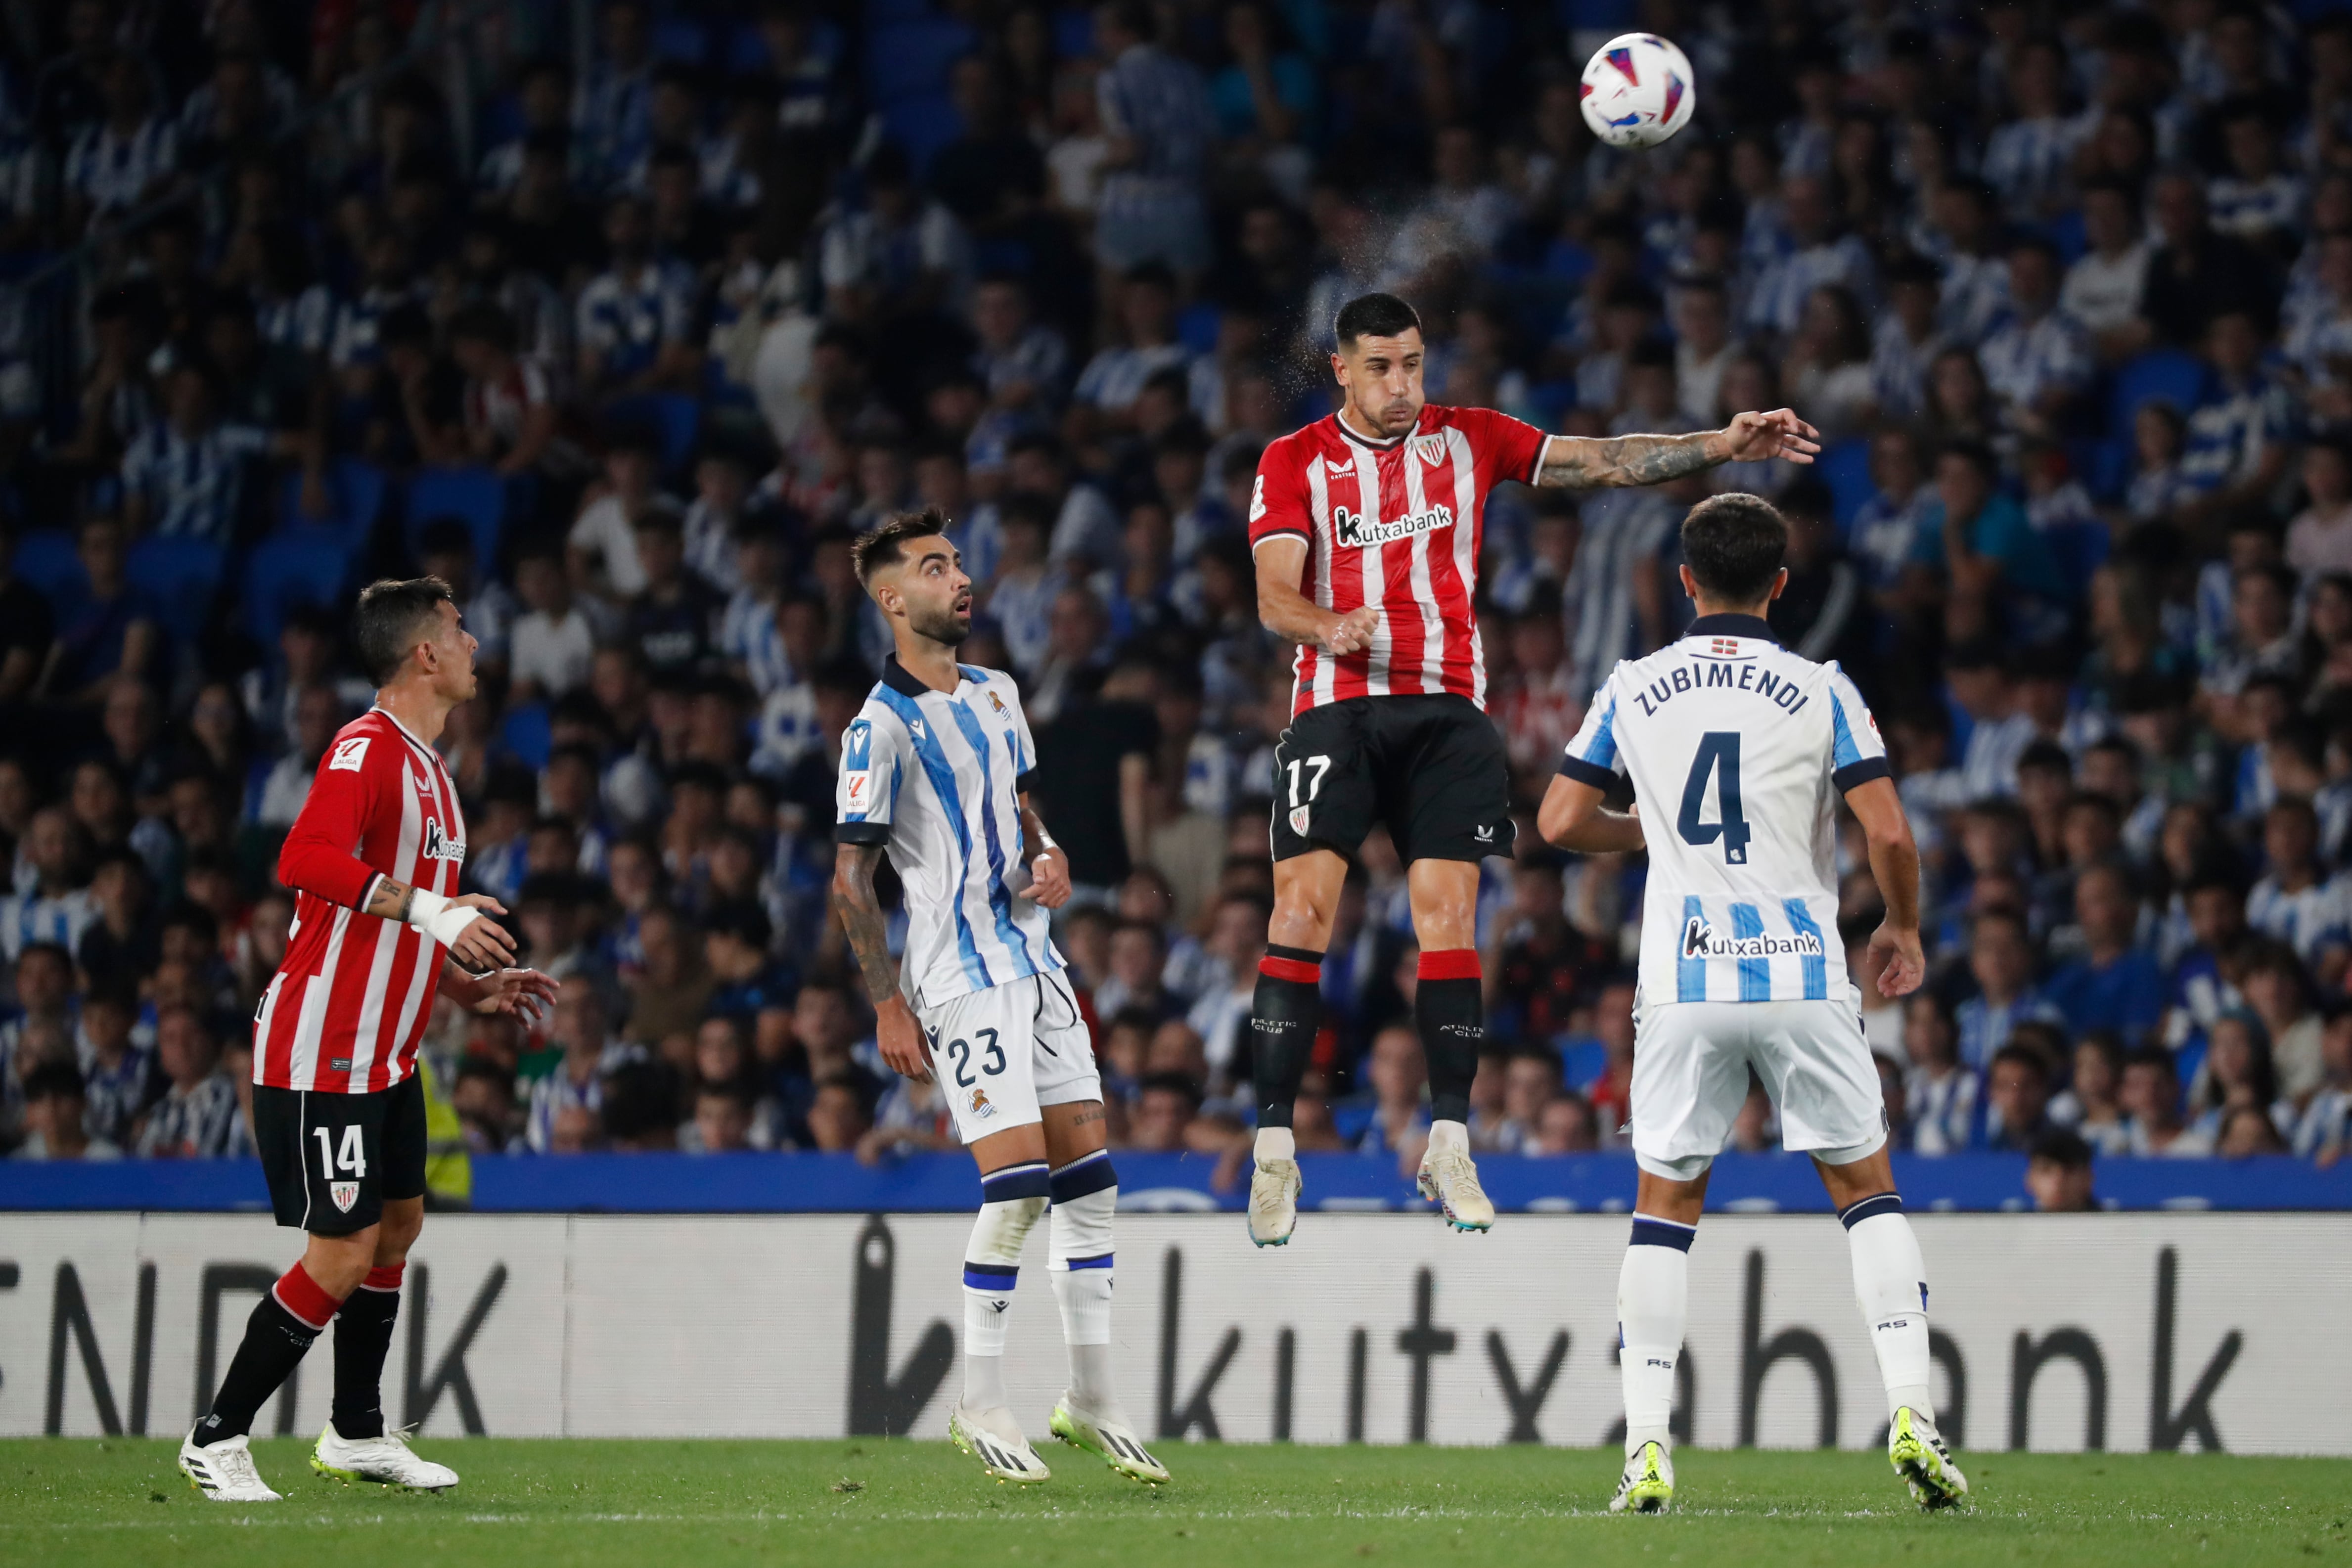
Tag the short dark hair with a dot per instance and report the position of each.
(54, 1079)
(386, 622)
(884, 545)
(1373, 316)
(1734, 544)
(2064, 1148)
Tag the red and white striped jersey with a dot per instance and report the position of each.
(352, 999)
(1396, 524)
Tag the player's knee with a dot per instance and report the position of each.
(338, 1263)
(1013, 1198)
(1086, 1197)
(396, 1233)
(1689, 1168)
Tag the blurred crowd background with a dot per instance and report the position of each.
(625, 317)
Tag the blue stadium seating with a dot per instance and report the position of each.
(528, 734)
(2173, 374)
(923, 125)
(674, 419)
(2081, 549)
(682, 39)
(1196, 327)
(480, 496)
(1845, 467)
(46, 559)
(182, 576)
(289, 570)
(355, 492)
(907, 60)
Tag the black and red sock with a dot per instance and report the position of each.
(1287, 1010)
(292, 1312)
(1450, 1008)
(362, 1340)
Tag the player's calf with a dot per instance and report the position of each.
(1078, 1260)
(1449, 1010)
(1012, 1199)
(1284, 1016)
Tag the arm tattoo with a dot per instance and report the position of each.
(860, 913)
(1585, 462)
(389, 900)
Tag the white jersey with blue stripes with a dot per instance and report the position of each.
(1734, 745)
(933, 777)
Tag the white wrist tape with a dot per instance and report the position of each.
(438, 918)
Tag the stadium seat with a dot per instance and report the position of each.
(1196, 328)
(911, 58)
(2173, 374)
(2081, 549)
(528, 734)
(477, 495)
(46, 559)
(182, 576)
(286, 571)
(682, 39)
(1845, 468)
(355, 500)
(921, 126)
(674, 419)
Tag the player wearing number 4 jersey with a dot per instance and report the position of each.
(935, 771)
(338, 1111)
(1737, 751)
(1366, 529)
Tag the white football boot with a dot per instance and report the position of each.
(1275, 1187)
(1917, 1452)
(994, 1438)
(224, 1471)
(1108, 1438)
(1647, 1485)
(1448, 1176)
(385, 1461)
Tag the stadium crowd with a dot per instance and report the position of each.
(623, 318)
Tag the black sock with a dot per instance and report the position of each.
(273, 1344)
(1451, 1011)
(1283, 1020)
(362, 1339)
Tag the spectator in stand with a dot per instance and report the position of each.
(2058, 1174)
(2016, 1099)
(2117, 985)
(55, 1118)
(197, 1116)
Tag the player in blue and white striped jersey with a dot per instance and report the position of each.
(1737, 751)
(933, 772)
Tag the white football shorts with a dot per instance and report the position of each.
(1000, 1054)
(1690, 1078)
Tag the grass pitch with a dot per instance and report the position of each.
(898, 1504)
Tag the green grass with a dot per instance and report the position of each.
(882, 1504)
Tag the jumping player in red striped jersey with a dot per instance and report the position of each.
(338, 1111)
(1365, 527)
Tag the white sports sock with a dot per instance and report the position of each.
(1653, 1305)
(1454, 1135)
(1078, 1261)
(1015, 1198)
(1274, 1143)
(1890, 1282)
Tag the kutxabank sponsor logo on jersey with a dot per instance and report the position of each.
(1355, 532)
(1701, 940)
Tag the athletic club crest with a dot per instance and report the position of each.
(1431, 449)
(1299, 815)
(345, 1193)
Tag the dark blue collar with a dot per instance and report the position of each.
(896, 676)
(1733, 626)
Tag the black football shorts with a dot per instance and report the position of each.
(1432, 768)
(332, 1160)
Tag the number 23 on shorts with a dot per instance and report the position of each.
(960, 1052)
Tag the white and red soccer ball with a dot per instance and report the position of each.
(1637, 90)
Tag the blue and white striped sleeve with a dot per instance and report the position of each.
(873, 755)
(1857, 755)
(1592, 757)
(1024, 744)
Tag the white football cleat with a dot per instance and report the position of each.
(224, 1471)
(1448, 1176)
(1275, 1187)
(1917, 1452)
(385, 1461)
(994, 1437)
(1108, 1438)
(1647, 1485)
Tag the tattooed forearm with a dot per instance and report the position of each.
(860, 914)
(389, 900)
(1586, 462)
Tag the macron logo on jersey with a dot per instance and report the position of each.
(349, 754)
(1701, 940)
(1354, 532)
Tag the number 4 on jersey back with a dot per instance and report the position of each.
(1718, 757)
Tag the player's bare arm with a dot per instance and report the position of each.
(1590, 462)
(482, 945)
(1574, 817)
(1049, 868)
(1895, 861)
(859, 910)
(1289, 614)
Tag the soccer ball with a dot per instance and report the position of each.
(1637, 90)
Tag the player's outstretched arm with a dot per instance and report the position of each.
(1895, 951)
(1588, 462)
(859, 910)
(1573, 817)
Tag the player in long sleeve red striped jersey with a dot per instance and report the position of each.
(338, 1111)
(1366, 529)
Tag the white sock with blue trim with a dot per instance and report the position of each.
(1012, 1199)
(1653, 1305)
(1890, 1282)
(1078, 1262)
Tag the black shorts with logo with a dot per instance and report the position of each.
(332, 1160)
(1432, 768)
